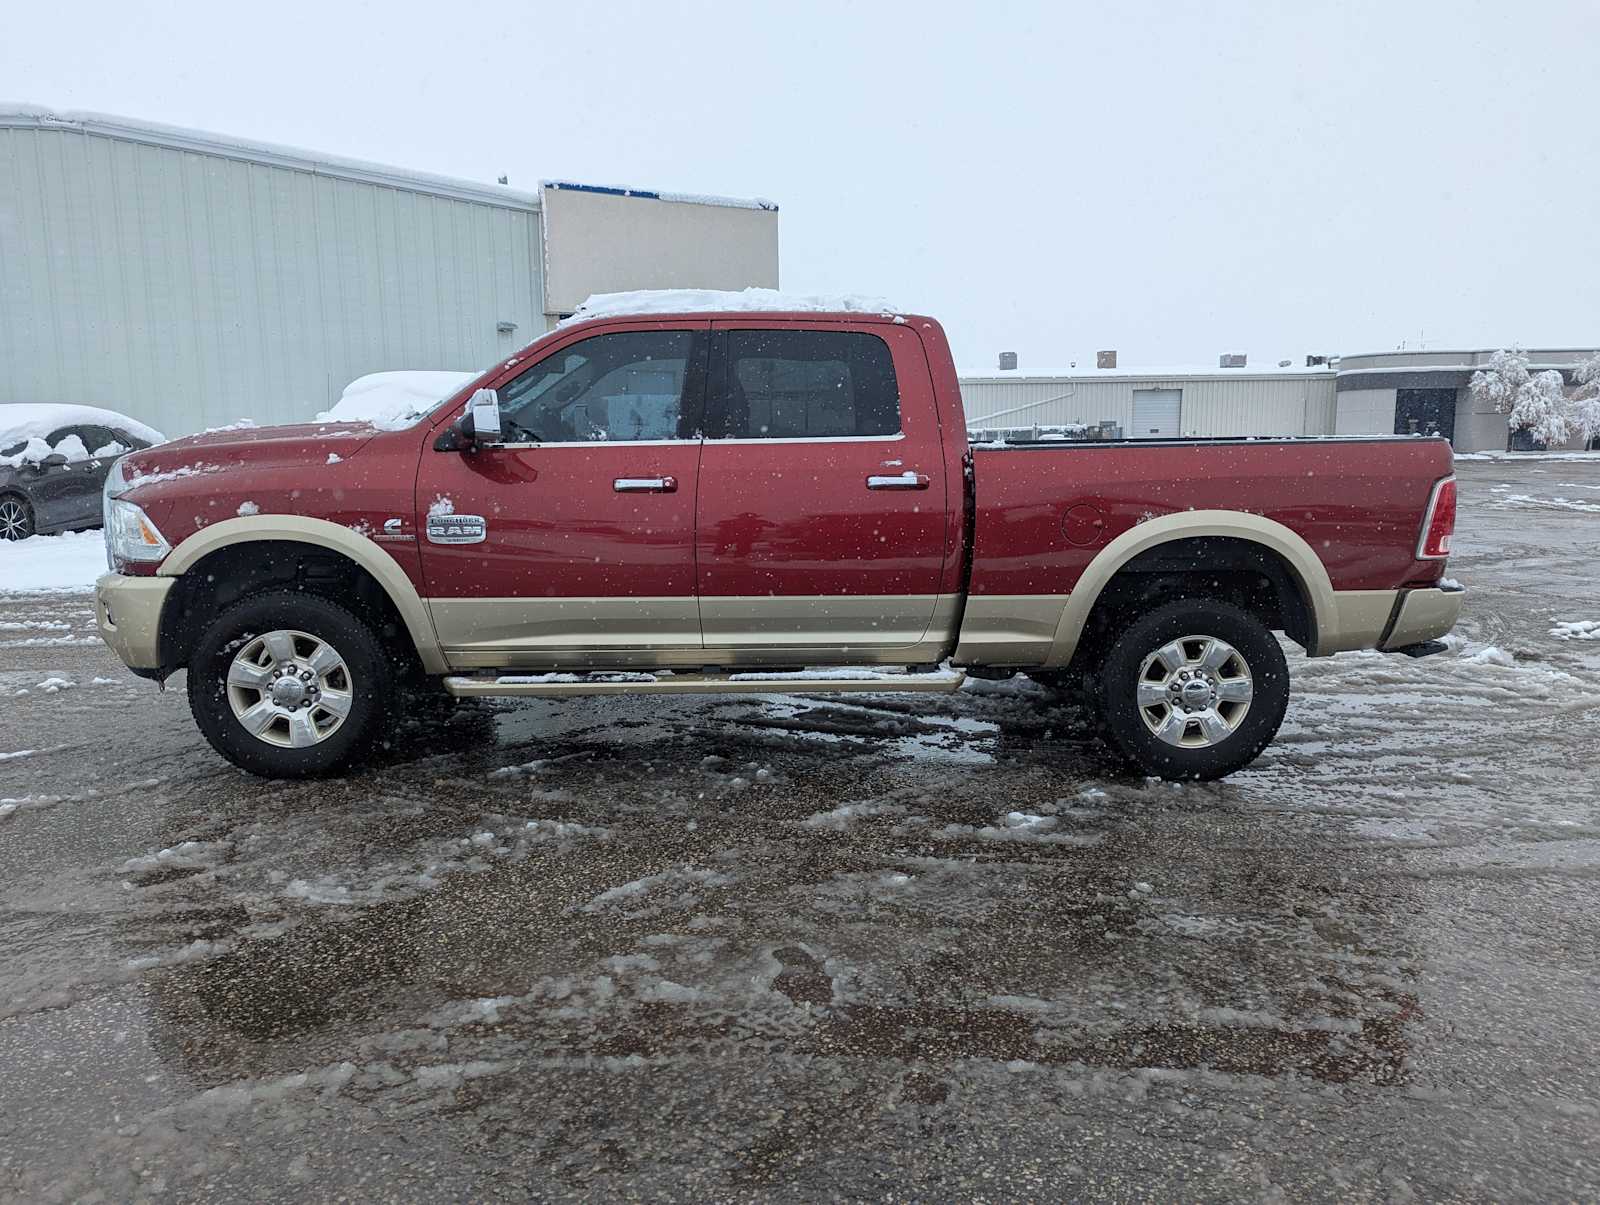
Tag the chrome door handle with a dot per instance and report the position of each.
(645, 485)
(900, 481)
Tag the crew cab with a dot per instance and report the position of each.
(758, 502)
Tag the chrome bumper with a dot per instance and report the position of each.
(128, 611)
(1423, 615)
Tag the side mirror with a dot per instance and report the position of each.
(484, 410)
(53, 461)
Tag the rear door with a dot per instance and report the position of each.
(66, 495)
(821, 523)
(572, 543)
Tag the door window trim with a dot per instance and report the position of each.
(716, 395)
(694, 390)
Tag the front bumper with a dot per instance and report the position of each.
(1423, 615)
(128, 610)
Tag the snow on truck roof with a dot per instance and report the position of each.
(719, 301)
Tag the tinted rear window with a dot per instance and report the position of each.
(806, 385)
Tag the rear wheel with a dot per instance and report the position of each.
(1194, 689)
(16, 518)
(289, 685)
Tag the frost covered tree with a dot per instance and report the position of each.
(1586, 402)
(1534, 403)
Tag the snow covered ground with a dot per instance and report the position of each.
(798, 943)
(69, 561)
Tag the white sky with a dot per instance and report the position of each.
(1170, 179)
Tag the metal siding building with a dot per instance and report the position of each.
(1227, 402)
(191, 280)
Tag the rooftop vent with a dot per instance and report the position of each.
(1231, 359)
(1316, 361)
(1008, 361)
(1105, 359)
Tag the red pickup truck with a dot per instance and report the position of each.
(756, 502)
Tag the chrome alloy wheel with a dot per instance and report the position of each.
(1194, 692)
(13, 520)
(289, 689)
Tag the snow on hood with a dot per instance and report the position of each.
(220, 450)
(393, 400)
(702, 301)
(29, 422)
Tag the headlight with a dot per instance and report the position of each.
(130, 535)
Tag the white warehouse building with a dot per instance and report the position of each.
(190, 279)
(1159, 403)
(1383, 393)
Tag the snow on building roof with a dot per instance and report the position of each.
(1159, 373)
(30, 116)
(656, 194)
(718, 301)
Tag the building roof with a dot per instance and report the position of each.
(128, 129)
(1166, 373)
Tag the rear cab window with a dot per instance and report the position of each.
(802, 384)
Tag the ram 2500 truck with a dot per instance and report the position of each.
(756, 502)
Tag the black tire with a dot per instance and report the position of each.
(1252, 728)
(369, 680)
(16, 517)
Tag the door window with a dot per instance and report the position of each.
(781, 384)
(628, 386)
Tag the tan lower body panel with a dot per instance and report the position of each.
(1424, 615)
(1358, 622)
(569, 685)
(128, 613)
(665, 633)
(1009, 629)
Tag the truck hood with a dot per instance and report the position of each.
(231, 448)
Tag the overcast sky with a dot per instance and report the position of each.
(1173, 180)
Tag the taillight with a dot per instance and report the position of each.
(1439, 523)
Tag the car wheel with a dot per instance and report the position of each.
(16, 518)
(290, 685)
(1194, 689)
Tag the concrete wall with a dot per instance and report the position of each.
(604, 241)
(193, 287)
(1365, 412)
(1291, 404)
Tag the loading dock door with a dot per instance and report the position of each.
(1425, 412)
(1156, 413)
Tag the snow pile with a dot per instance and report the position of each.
(26, 421)
(391, 401)
(70, 561)
(1577, 629)
(716, 301)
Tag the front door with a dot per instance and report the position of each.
(823, 495)
(572, 542)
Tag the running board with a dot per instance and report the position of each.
(817, 681)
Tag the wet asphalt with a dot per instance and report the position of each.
(879, 948)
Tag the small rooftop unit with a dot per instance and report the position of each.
(1231, 359)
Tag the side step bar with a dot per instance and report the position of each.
(754, 682)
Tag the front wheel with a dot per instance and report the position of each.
(16, 518)
(1194, 690)
(289, 685)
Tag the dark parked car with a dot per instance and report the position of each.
(51, 476)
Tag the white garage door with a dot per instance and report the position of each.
(1155, 413)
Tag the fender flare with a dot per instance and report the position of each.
(1304, 565)
(333, 537)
